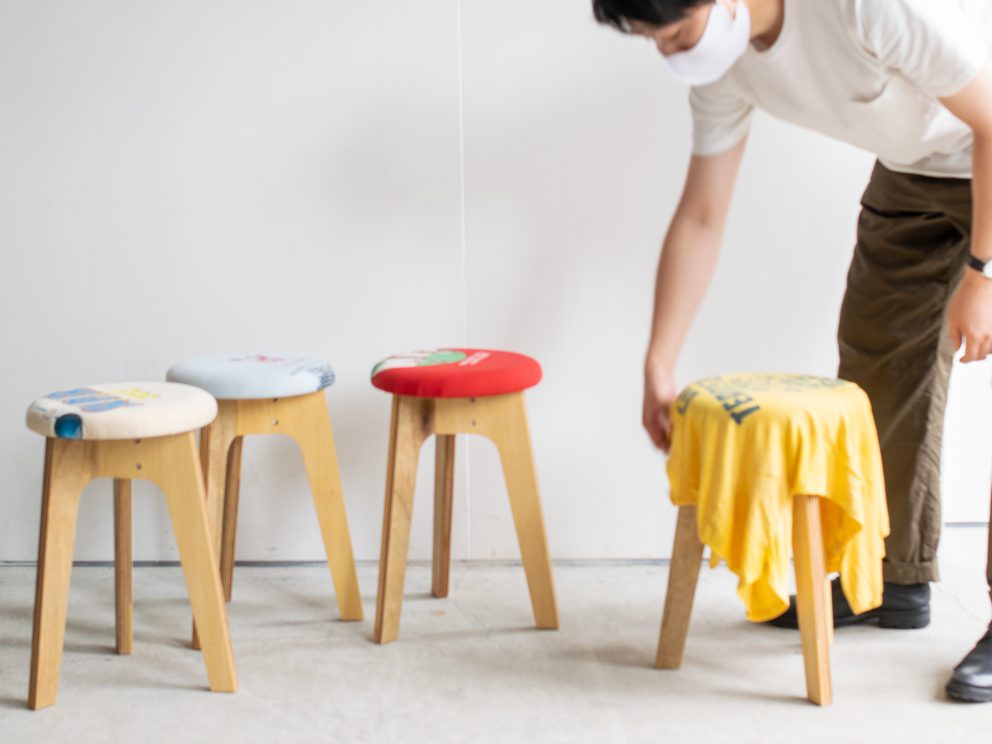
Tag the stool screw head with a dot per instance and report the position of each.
(138, 466)
(275, 422)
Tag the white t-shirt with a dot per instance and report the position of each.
(868, 72)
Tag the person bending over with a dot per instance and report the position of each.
(910, 81)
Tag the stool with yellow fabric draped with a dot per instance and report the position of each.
(762, 463)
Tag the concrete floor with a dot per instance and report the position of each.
(471, 669)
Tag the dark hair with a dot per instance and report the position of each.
(619, 13)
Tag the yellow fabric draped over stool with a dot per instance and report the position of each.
(744, 445)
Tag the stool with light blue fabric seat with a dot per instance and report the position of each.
(272, 394)
(123, 431)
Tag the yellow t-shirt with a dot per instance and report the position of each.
(744, 445)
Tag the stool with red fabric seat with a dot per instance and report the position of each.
(448, 392)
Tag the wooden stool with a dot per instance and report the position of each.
(780, 447)
(124, 431)
(259, 394)
(813, 596)
(444, 393)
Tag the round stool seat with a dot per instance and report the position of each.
(456, 373)
(126, 410)
(254, 376)
(729, 400)
(743, 446)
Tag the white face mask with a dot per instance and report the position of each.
(723, 42)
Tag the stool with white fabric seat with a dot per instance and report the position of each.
(123, 431)
(272, 394)
(760, 463)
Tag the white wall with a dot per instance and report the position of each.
(355, 179)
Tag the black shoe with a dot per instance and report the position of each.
(904, 606)
(972, 678)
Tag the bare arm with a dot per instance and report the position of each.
(688, 259)
(970, 311)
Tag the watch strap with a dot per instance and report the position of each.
(978, 265)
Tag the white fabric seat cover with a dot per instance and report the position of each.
(254, 376)
(126, 410)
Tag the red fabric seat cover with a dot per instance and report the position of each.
(456, 373)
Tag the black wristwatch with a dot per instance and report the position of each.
(982, 267)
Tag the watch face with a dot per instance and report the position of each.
(987, 270)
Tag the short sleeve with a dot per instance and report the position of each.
(932, 43)
(721, 118)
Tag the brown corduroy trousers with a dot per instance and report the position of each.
(913, 240)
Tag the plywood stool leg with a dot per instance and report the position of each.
(219, 448)
(229, 519)
(683, 574)
(122, 564)
(444, 483)
(316, 441)
(411, 424)
(812, 609)
(64, 479)
(176, 469)
(510, 433)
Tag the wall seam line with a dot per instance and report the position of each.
(464, 258)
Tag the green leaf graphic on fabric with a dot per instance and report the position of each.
(441, 357)
(419, 359)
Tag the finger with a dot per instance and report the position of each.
(972, 350)
(667, 432)
(653, 430)
(986, 350)
(978, 348)
(956, 337)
